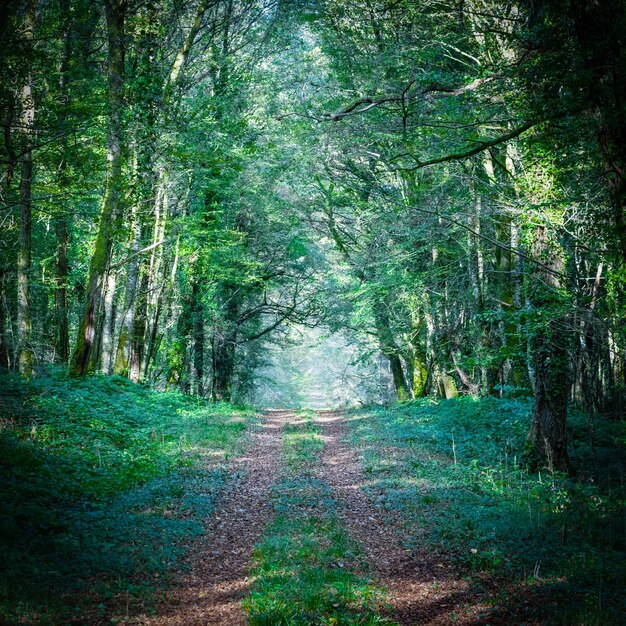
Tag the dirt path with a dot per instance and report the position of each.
(422, 589)
(210, 592)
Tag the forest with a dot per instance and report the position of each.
(313, 312)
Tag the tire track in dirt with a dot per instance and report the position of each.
(421, 588)
(210, 593)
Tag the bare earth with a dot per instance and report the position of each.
(210, 592)
(422, 589)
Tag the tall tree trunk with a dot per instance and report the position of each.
(419, 365)
(198, 336)
(522, 375)
(122, 354)
(178, 354)
(547, 440)
(547, 443)
(158, 283)
(62, 226)
(223, 354)
(389, 348)
(83, 356)
(224, 341)
(108, 329)
(60, 293)
(26, 356)
(162, 306)
(138, 337)
(24, 322)
(4, 350)
(476, 265)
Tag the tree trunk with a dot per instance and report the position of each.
(162, 305)
(4, 350)
(139, 330)
(547, 440)
(60, 292)
(547, 443)
(122, 354)
(108, 330)
(62, 226)
(198, 336)
(223, 368)
(390, 350)
(419, 369)
(476, 264)
(224, 340)
(178, 353)
(26, 356)
(83, 356)
(24, 322)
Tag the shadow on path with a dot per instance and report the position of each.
(210, 592)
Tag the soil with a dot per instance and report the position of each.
(422, 587)
(209, 593)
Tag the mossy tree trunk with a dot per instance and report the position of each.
(547, 441)
(389, 348)
(62, 223)
(84, 355)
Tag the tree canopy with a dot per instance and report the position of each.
(438, 186)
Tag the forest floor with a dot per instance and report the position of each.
(216, 575)
(391, 584)
(126, 506)
(307, 533)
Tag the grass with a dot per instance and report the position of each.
(103, 484)
(302, 443)
(453, 468)
(306, 568)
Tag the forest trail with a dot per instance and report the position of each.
(209, 594)
(421, 589)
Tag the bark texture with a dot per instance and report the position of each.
(83, 358)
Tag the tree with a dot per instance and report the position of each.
(84, 355)
(27, 121)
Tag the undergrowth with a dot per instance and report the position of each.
(103, 482)
(306, 568)
(453, 468)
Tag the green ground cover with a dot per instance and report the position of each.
(103, 484)
(307, 570)
(452, 470)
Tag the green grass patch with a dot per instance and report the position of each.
(103, 484)
(454, 469)
(306, 569)
(302, 442)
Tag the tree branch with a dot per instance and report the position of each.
(435, 91)
(480, 147)
(496, 243)
(129, 258)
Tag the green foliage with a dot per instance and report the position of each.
(453, 469)
(103, 483)
(306, 568)
(439, 181)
